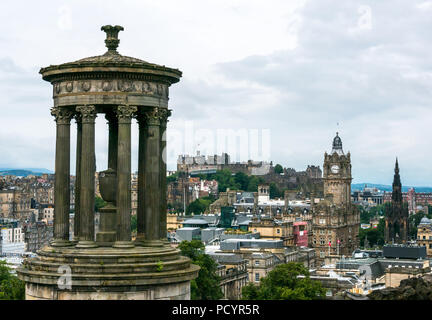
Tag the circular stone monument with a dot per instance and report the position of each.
(109, 265)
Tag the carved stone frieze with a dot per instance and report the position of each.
(158, 90)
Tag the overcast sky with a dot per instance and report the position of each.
(288, 73)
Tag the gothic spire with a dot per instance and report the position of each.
(397, 186)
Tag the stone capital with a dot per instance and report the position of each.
(87, 113)
(164, 115)
(62, 115)
(125, 112)
(153, 116)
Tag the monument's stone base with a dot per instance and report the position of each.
(176, 291)
(106, 273)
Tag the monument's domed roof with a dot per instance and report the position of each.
(337, 145)
(111, 61)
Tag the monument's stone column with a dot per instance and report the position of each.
(107, 234)
(152, 178)
(124, 117)
(88, 168)
(77, 177)
(165, 113)
(142, 137)
(62, 177)
(112, 139)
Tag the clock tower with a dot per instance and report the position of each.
(335, 220)
(337, 174)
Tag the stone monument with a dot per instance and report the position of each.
(109, 265)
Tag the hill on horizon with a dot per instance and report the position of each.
(386, 187)
(23, 172)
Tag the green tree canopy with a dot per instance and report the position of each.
(206, 285)
(172, 178)
(200, 205)
(238, 181)
(375, 236)
(133, 223)
(278, 169)
(275, 192)
(11, 288)
(99, 203)
(283, 283)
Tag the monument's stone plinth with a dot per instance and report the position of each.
(108, 273)
(110, 265)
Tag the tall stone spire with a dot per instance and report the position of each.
(397, 185)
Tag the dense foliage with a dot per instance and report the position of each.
(206, 285)
(238, 181)
(282, 283)
(11, 288)
(366, 214)
(375, 236)
(172, 177)
(133, 223)
(99, 203)
(278, 169)
(200, 205)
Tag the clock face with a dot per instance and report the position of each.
(334, 168)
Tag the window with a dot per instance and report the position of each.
(322, 254)
(257, 277)
(278, 230)
(257, 263)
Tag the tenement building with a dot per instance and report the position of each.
(107, 264)
(336, 220)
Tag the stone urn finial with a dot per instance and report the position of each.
(107, 185)
(112, 40)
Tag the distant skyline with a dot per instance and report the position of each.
(299, 69)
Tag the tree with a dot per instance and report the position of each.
(242, 180)
(284, 283)
(274, 191)
(200, 205)
(133, 223)
(11, 288)
(99, 203)
(172, 178)
(375, 236)
(253, 183)
(206, 285)
(278, 169)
